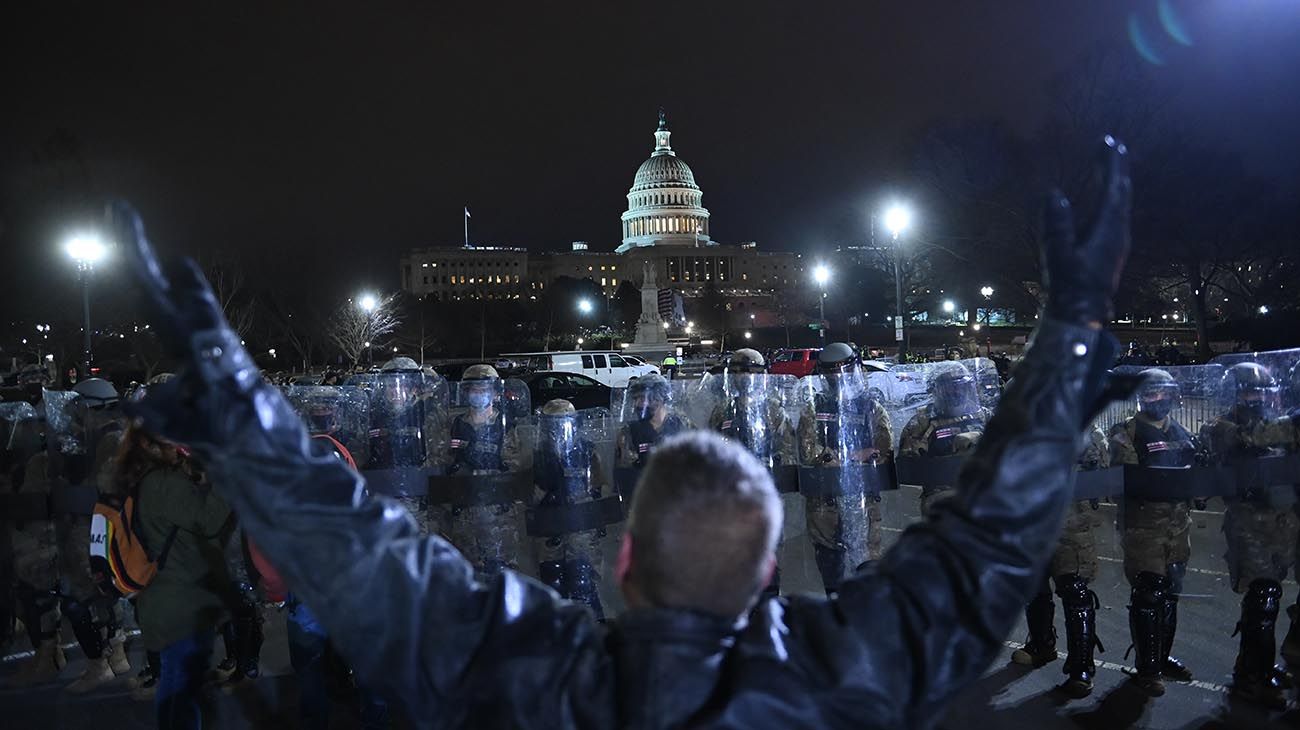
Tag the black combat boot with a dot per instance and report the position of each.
(1040, 647)
(551, 572)
(582, 583)
(1254, 678)
(1080, 605)
(1291, 643)
(1172, 668)
(830, 563)
(1146, 618)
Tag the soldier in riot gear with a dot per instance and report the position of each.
(751, 414)
(652, 418)
(1260, 526)
(35, 577)
(843, 424)
(1156, 535)
(1073, 568)
(567, 472)
(952, 424)
(484, 441)
(406, 431)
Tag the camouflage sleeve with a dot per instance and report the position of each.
(1219, 436)
(1122, 450)
(512, 452)
(715, 418)
(1095, 454)
(785, 437)
(912, 441)
(808, 436)
(1280, 432)
(623, 455)
(883, 431)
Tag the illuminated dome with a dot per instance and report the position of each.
(664, 204)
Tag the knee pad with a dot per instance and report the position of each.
(1149, 590)
(1073, 590)
(1263, 599)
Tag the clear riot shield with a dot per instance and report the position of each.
(575, 510)
(478, 499)
(1252, 440)
(81, 442)
(646, 412)
(940, 425)
(406, 437)
(845, 450)
(339, 412)
(20, 440)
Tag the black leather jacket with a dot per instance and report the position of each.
(901, 638)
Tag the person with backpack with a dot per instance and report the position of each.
(183, 524)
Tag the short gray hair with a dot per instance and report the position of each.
(705, 521)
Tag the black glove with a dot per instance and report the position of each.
(192, 328)
(1082, 276)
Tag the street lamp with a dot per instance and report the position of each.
(821, 275)
(584, 306)
(369, 303)
(949, 306)
(749, 335)
(897, 220)
(987, 291)
(87, 250)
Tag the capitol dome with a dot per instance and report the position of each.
(664, 205)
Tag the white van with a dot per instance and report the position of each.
(605, 366)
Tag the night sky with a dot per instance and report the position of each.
(328, 138)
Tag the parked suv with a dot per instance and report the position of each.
(606, 367)
(798, 362)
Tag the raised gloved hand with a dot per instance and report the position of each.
(189, 322)
(1082, 274)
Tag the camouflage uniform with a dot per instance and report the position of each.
(1076, 551)
(929, 435)
(1261, 529)
(411, 436)
(489, 536)
(824, 514)
(568, 470)
(776, 450)
(36, 560)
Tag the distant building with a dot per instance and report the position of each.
(665, 223)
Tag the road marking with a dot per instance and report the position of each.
(70, 645)
(1197, 683)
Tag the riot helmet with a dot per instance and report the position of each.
(836, 357)
(322, 414)
(1159, 394)
(953, 388)
(745, 366)
(1252, 390)
(647, 394)
(399, 364)
(479, 384)
(96, 392)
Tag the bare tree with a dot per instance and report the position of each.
(297, 324)
(353, 329)
(238, 303)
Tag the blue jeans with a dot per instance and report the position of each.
(308, 644)
(180, 683)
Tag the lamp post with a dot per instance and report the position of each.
(368, 303)
(897, 219)
(86, 250)
(821, 275)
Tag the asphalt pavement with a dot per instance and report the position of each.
(1007, 696)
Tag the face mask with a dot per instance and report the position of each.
(1251, 410)
(1158, 409)
(479, 400)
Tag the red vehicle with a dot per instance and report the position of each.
(799, 362)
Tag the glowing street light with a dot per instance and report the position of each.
(749, 335)
(987, 291)
(949, 306)
(368, 303)
(1263, 309)
(87, 250)
(898, 218)
(584, 306)
(821, 275)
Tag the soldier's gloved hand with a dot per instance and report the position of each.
(1082, 274)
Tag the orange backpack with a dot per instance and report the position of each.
(119, 560)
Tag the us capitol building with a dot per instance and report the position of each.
(665, 225)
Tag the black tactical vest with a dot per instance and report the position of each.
(1170, 448)
(943, 438)
(644, 436)
(477, 448)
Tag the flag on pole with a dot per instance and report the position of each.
(467, 215)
